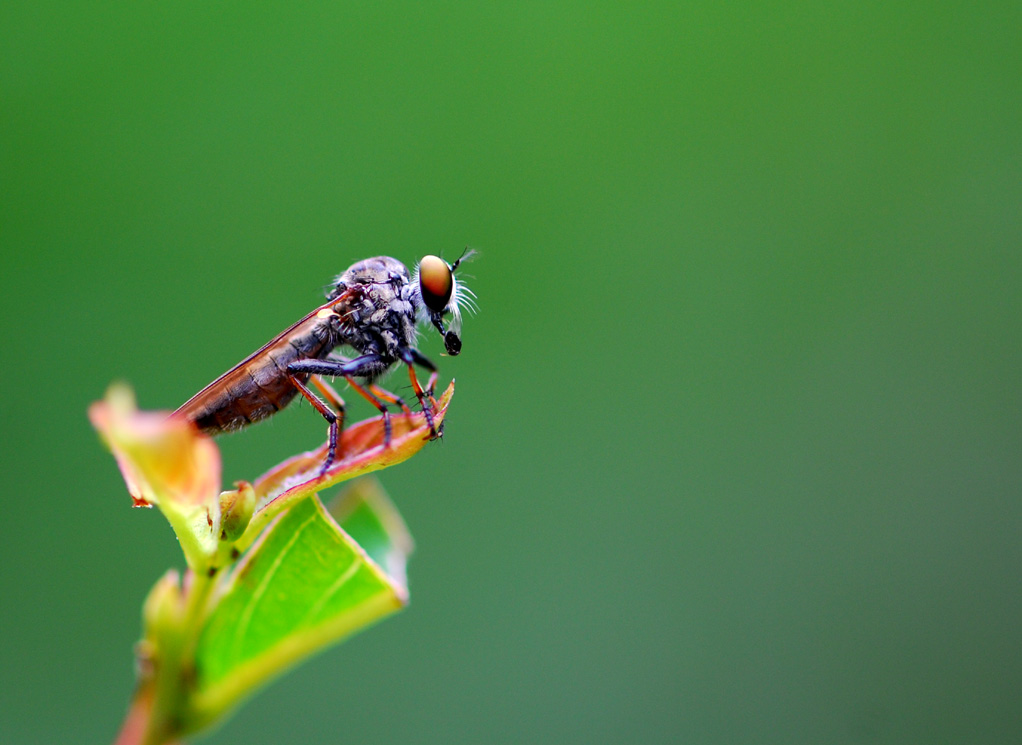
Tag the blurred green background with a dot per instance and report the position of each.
(735, 453)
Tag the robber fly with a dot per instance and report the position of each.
(373, 307)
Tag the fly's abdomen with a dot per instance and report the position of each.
(249, 400)
(259, 386)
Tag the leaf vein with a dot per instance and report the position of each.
(260, 590)
(334, 589)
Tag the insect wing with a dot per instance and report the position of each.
(208, 398)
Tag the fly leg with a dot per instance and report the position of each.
(335, 401)
(431, 387)
(366, 366)
(335, 423)
(387, 430)
(412, 357)
(333, 397)
(389, 397)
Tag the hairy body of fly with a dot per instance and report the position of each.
(382, 306)
(372, 307)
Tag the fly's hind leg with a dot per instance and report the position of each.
(333, 397)
(334, 421)
(335, 400)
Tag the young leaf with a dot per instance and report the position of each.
(166, 462)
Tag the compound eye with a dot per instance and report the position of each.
(435, 282)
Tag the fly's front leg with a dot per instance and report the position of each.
(412, 357)
(431, 387)
(364, 366)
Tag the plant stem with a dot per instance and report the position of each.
(159, 711)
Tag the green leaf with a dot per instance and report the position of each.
(303, 585)
(366, 513)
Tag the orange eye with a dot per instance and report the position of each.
(436, 283)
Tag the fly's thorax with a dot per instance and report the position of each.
(375, 271)
(376, 309)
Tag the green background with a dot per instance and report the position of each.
(735, 453)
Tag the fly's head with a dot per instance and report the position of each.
(438, 293)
